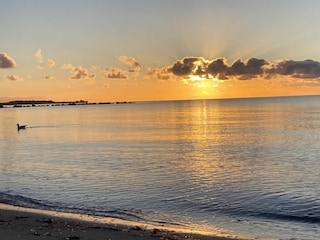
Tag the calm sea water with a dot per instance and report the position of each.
(246, 167)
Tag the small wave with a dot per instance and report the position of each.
(22, 201)
(292, 218)
(18, 200)
(285, 216)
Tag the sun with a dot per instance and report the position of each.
(205, 83)
(194, 78)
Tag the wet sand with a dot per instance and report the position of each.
(17, 224)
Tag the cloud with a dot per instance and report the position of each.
(255, 66)
(51, 63)
(218, 66)
(92, 78)
(13, 77)
(6, 61)
(66, 66)
(252, 68)
(115, 73)
(95, 68)
(79, 73)
(243, 70)
(38, 55)
(298, 69)
(161, 73)
(189, 66)
(130, 61)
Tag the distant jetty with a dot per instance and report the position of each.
(49, 103)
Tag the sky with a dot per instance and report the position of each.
(142, 50)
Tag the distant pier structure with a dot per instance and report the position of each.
(40, 103)
(48, 103)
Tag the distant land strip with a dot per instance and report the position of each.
(42, 103)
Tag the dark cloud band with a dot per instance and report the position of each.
(243, 70)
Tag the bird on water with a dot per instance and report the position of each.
(19, 127)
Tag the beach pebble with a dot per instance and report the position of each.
(137, 228)
(155, 231)
(20, 217)
(34, 232)
(49, 220)
(72, 238)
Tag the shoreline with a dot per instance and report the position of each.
(28, 224)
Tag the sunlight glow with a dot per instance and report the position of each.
(202, 81)
(196, 78)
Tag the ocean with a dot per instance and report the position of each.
(239, 167)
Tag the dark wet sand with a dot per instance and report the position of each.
(25, 225)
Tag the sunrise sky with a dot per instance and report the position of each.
(132, 50)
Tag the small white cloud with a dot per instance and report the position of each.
(38, 55)
(129, 61)
(79, 73)
(115, 73)
(91, 79)
(95, 68)
(51, 63)
(66, 66)
(13, 77)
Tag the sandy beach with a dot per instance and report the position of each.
(19, 223)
